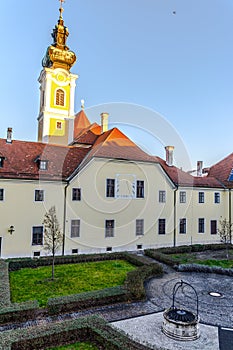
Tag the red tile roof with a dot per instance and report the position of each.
(64, 161)
(20, 162)
(115, 144)
(88, 135)
(222, 170)
(81, 122)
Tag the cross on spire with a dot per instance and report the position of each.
(61, 1)
(61, 8)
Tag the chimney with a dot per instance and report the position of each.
(169, 155)
(199, 167)
(9, 135)
(104, 122)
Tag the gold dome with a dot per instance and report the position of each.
(58, 54)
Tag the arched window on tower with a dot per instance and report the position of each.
(60, 97)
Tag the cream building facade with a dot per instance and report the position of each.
(109, 194)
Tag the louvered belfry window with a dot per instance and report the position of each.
(60, 97)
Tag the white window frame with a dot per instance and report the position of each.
(217, 197)
(109, 230)
(183, 221)
(183, 196)
(38, 226)
(201, 232)
(139, 229)
(75, 226)
(162, 196)
(39, 191)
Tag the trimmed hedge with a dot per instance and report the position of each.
(134, 282)
(16, 264)
(205, 269)
(86, 300)
(19, 312)
(162, 254)
(161, 257)
(133, 288)
(92, 329)
(5, 295)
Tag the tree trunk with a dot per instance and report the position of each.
(227, 248)
(53, 263)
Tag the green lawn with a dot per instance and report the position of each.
(191, 259)
(76, 346)
(36, 284)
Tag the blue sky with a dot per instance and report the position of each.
(134, 52)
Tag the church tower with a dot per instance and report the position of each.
(57, 89)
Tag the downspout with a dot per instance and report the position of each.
(174, 219)
(64, 219)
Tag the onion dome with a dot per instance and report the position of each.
(58, 54)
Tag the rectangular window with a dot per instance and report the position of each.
(201, 197)
(216, 197)
(140, 189)
(139, 227)
(110, 188)
(201, 225)
(162, 226)
(75, 228)
(43, 164)
(1, 162)
(109, 228)
(213, 227)
(162, 196)
(76, 194)
(39, 195)
(139, 246)
(37, 235)
(182, 197)
(109, 249)
(183, 226)
(75, 251)
(1, 194)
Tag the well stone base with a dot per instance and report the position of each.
(180, 330)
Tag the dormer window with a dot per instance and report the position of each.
(43, 164)
(60, 97)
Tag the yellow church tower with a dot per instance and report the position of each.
(57, 89)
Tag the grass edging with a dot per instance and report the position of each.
(92, 328)
(132, 290)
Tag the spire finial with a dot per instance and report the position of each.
(61, 8)
(82, 104)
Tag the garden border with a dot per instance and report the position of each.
(132, 290)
